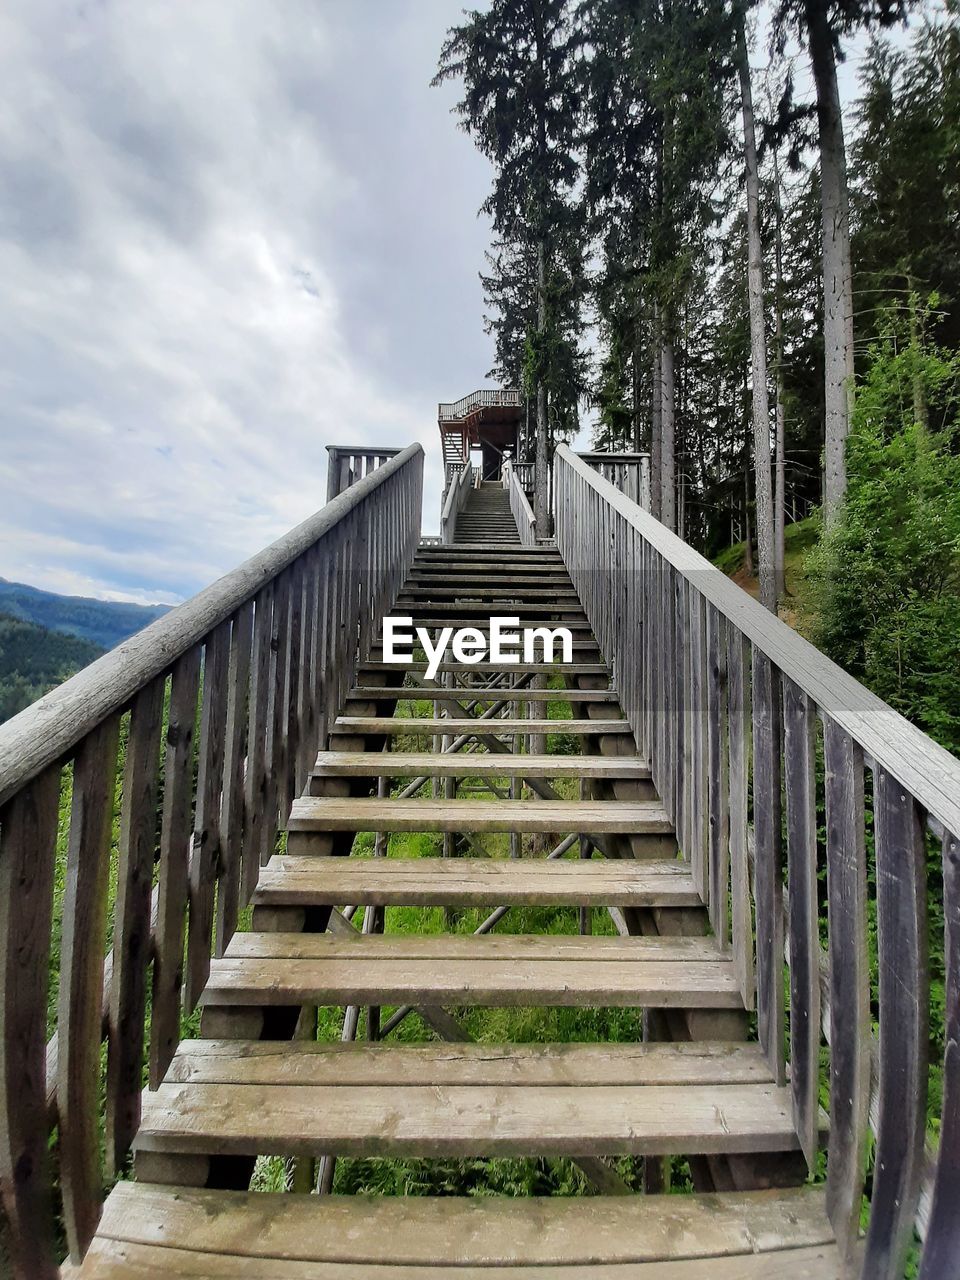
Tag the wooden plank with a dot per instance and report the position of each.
(322, 813)
(904, 1026)
(464, 1121)
(495, 668)
(176, 830)
(803, 941)
(113, 1259)
(28, 836)
(132, 931)
(850, 1021)
(415, 764)
(393, 693)
(767, 809)
(206, 838)
(498, 983)
(533, 1065)
(255, 847)
(426, 724)
(234, 763)
(80, 1009)
(738, 739)
(943, 1231)
(718, 795)
(496, 1231)
(515, 947)
(474, 882)
(47, 731)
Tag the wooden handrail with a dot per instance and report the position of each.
(209, 719)
(520, 507)
(45, 731)
(728, 703)
(349, 463)
(456, 494)
(457, 409)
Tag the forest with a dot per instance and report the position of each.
(708, 241)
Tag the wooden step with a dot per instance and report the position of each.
(469, 609)
(484, 970)
(325, 813)
(488, 551)
(148, 1232)
(496, 668)
(413, 593)
(492, 727)
(579, 644)
(475, 764)
(474, 882)
(417, 693)
(488, 1101)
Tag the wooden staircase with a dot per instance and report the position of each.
(486, 517)
(259, 1083)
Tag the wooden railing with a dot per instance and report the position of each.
(347, 464)
(737, 712)
(628, 472)
(209, 720)
(460, 480)
(522, 511)
(457, 409)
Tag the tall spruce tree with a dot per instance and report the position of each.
(517, 62)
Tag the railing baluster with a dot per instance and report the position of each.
(176, 830)
(131, 932)
(206, 839)
(28, 838)
(80, 1014)
(904, 1026)
(255, 785)
(738, 737)
(799, 727)
(718, 797)
(767, 809)
(849, 982)
(235, 750)
(943, 1232)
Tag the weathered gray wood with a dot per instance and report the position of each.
(206, 837)
(80, 1013)
(799, 725)
(255, 849)
(235, 751)
(46, 731)
(927, 771)
(767, 808)
(28, 834)
(413, 764)
(738, 660)
(450, 1233)
(943, 1232)
(428, 725)
(321, 813)
(904, 1026)
(849, 982)
(131, 931)
(718, 796)
(176, 830)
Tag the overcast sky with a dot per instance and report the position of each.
(231, 232)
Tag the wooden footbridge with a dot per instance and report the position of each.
(733, 834)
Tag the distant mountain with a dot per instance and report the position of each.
(34, 660)
(103, 623)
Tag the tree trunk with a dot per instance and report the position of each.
(668, 503)
(758, 336)
(541, 497)
(656, 405)
(780, 496)
(837, 272)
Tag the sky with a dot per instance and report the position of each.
(231, 233)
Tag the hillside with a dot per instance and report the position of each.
(33, 660)
(104, 623)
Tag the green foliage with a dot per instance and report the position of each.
(103, 623)
(886, 579)
(34, 660)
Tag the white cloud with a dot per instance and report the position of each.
(222, 247)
